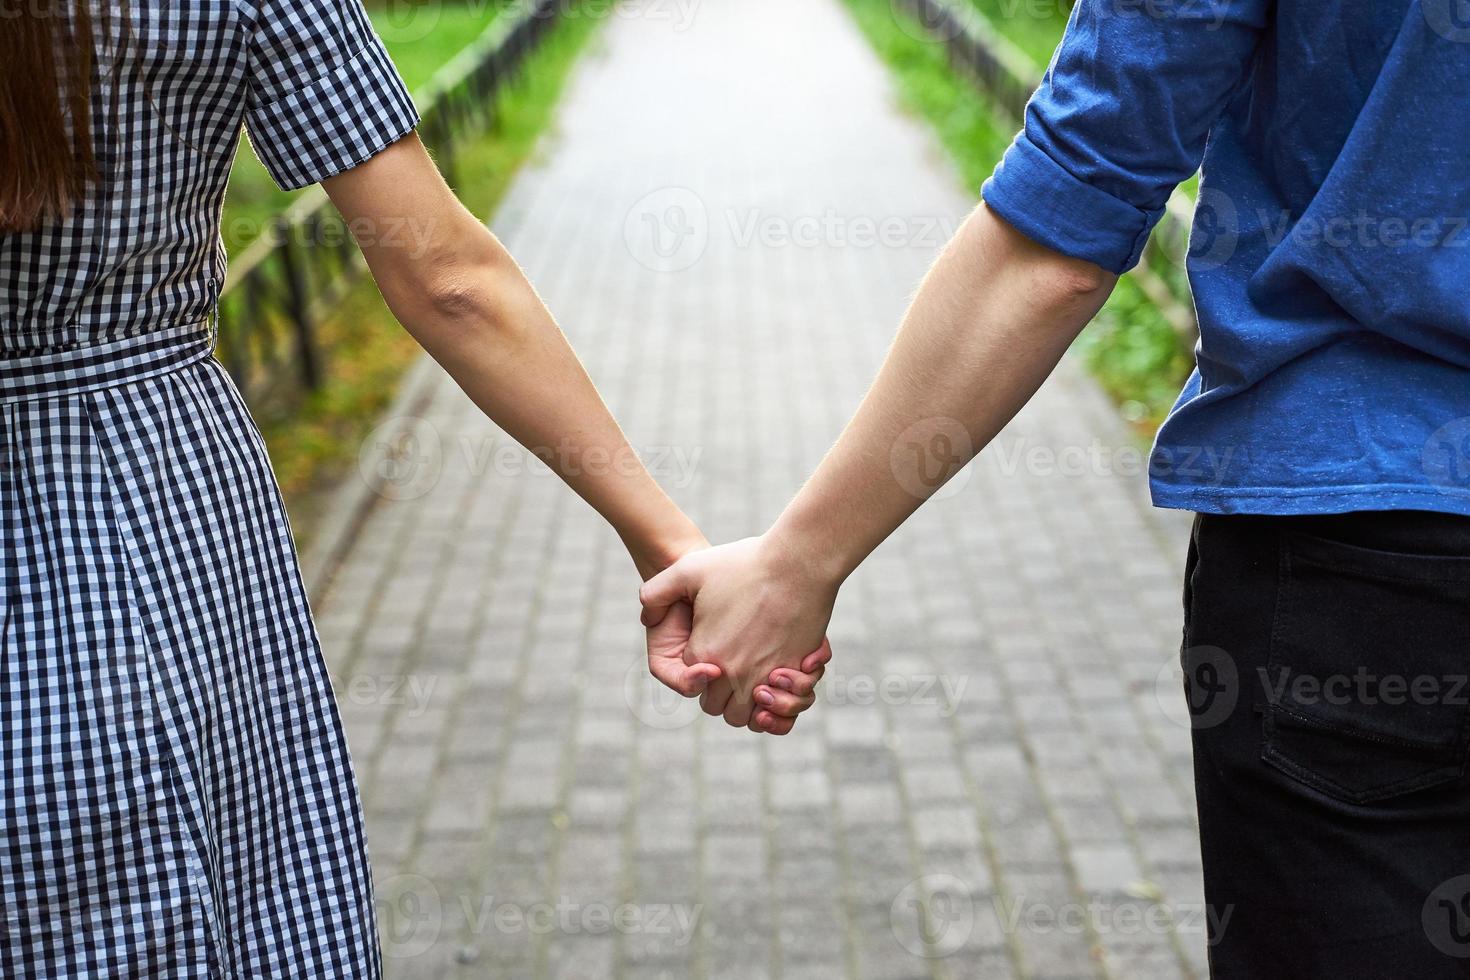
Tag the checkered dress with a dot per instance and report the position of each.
(176, 798)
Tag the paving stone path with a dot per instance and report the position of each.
(729, 221)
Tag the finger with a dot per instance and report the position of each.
(683, 678)
(794, 681)
(669, 586)
(821, 655)
(782, 703)
(804, 681)
(773, 725)
(738, 711)
(716, 696)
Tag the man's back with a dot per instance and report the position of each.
(1330, 253)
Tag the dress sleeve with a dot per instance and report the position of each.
(323, 94)
(1121, 118)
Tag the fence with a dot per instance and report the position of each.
(1008, 76)
(278, 291)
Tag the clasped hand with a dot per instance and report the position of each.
(743, 627)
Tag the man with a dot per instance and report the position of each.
(1329, 573)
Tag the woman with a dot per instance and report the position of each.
(176, 797)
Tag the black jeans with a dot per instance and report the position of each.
(1327, 665)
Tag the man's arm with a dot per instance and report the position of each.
(1122, 116)
(991, 321)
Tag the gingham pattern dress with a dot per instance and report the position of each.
(176, 798)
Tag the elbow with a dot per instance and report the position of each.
(471, 293)
(1069, 290)
(1079, 278)
(1042, 271)
(458, 295)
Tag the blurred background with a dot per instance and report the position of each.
(727, 203)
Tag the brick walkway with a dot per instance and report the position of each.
(729, 222)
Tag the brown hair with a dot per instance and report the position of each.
(46, 155)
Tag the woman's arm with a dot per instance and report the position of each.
(458, 291)
(991, 321)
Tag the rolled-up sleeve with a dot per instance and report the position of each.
(324, 95)
(1121, 118)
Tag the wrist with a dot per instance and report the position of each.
(659, 548)
(794, 552)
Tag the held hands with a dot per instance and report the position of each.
(743, 625)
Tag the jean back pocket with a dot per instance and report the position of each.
(1368, 681)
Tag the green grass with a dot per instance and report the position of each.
(420, 38)
(969, 125)
(1134, 352)
(1136, 355)
(1035, 26)
(315, 444)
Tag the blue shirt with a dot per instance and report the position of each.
(1330, 254)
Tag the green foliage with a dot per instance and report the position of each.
(1137, 356)
(1034, 26)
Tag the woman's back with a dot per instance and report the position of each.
(173, 83)
(165, 702)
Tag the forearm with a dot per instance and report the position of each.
(991, 321)
(502, 346)
(462, 296)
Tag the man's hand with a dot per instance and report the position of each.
(757, 608)
(786, 694)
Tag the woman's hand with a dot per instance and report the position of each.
(667, 641)
(757, 607)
